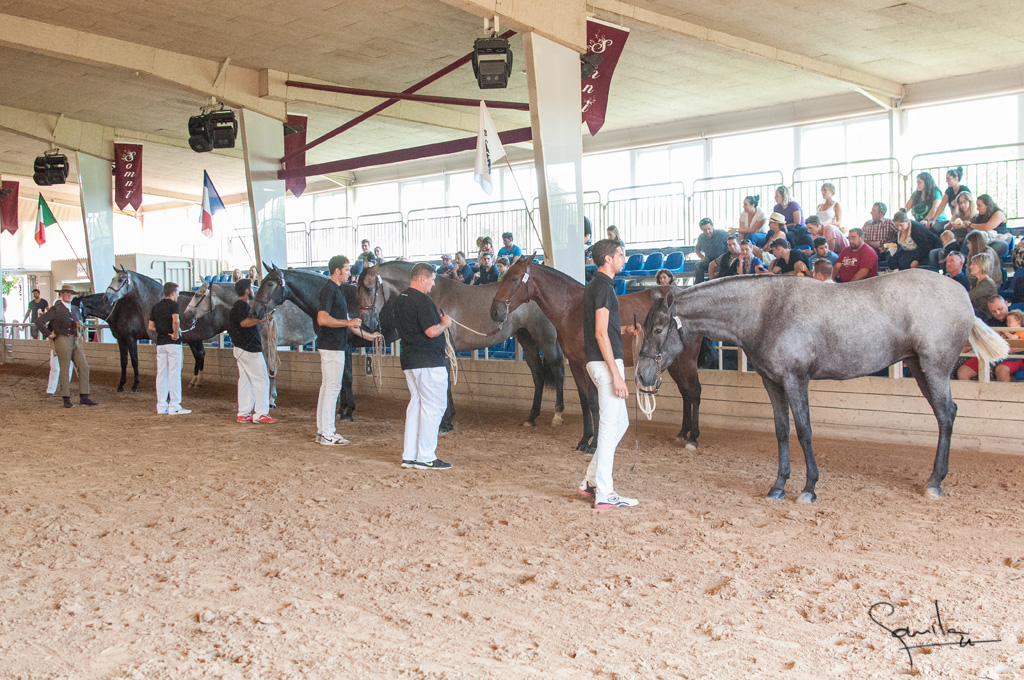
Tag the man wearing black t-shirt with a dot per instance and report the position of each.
(332, 327)
(36, 306)
(602, 344)
(421, 329)
(253, 380)
(488, 272)
(163, 320)
(788, 261)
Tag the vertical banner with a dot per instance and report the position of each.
(9, 207)
(604, 47)
(295, 138)
(264, 146)
(128, 175)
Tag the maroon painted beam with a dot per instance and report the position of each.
(462, 61)
(401, 96)
(428, 151)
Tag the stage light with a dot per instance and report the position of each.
(213, 130)
(50, 168)
(492, 62)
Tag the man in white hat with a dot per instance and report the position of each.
(63, 322)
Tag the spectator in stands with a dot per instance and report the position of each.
(788, 260)
(923, 204)
(937, 257)
(830, 213)
(879, 230)
(957, 228)
(833, 236)
(366, 256)
(982, 287)
(710, 246)
(378, 254)
(509, 250)
(446, 265)
(613, 233)
(488, 273)
(753, 224)
(991, 222)
(975, 245)
(790, 209)
(953, 189)
(822, 271)
(858, 260)
(460, 271)
(253, 276)
(822, 252)
(913, 243)
(486, 246)
(999, 316)
(727, 264)
(749, 263)
(955, 269)
(663, 278)
(502, 264)
(236, 275)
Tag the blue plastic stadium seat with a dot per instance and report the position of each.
(620, 287)
(634, 264)
(654, 262)
(208, 279)
(674, 262)
(1017, 305)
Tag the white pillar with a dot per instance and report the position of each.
(96, 188)
(263, 145)
(553, 76)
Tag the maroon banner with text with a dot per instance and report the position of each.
(128, 175)
(606, 40)
(9, 207)
(295, 139)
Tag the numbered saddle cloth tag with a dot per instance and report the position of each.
(679, 322)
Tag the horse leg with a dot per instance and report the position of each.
(595, 417)
(531, 353)
(347, 403)
(122, 350)
(684, 373)
(799, 404)
(272, 374)
(781, 409)
(446, 425)
(133, 352)
(934, 386)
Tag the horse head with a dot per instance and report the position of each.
(200, 305)
(663, 339)
(513, 290)
(272, 292)
(120, 286)
(371, 294)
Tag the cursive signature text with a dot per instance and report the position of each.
(937, 630)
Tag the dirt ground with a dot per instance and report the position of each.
(143, 546)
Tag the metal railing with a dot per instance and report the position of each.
(721, 199)
(860, 185)
(645, 215)
(995, 170)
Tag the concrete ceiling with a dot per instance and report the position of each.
(685, 59)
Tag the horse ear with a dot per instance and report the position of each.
(266, 267)
(670, 300)
(114, 268)
(532, 256)
(655, 294)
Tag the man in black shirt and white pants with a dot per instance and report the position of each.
(332, 327)
(163, 320)
(253, 379)
(421, 329)
(602, 343)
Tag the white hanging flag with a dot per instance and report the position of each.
(488, 150)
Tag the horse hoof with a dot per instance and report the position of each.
(121, 388)
(529, 423)
(445, 430)
(557, 420)
(348, 417)
(933, 493)
(691, 445)
(135, 389)
(807, 497)
(273, 406)
(590, 450)
(776, 494)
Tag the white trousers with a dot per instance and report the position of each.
(332, 368)
(51, 384)
(428, 399)
(253, 383)
(168, 378)
(613, 424)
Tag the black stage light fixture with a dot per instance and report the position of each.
(50, 168)
(212, 130)
(199, 133)
(492, 62)
(589, 64)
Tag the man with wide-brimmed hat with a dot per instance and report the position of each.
(63, 322)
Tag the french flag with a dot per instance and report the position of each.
(211, 204)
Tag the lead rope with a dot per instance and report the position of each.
(453, 358)
(377, 361)
(645, 399)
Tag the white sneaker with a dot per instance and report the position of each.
(178, 412)
(333, 440)
(613, 500)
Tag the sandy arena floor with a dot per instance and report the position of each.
(140, 546)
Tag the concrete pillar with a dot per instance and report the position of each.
(96, 187)
(263, 146)
(553, 77)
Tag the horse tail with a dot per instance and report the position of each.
(987, 344)
(707, 358)
(554, 367)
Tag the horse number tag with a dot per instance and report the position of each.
(380, 281)
(679, 323)
(526, 277)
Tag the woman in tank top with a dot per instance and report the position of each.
(829, 211)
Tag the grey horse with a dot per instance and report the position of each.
(797, 329)
(210, 308)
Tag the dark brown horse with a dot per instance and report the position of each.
(561, 299)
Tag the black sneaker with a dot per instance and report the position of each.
(436, 464)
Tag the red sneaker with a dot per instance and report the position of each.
(265, 420)
(245, 419)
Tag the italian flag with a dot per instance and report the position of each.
(44, 218)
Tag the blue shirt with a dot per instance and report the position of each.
(831, 257)
(514, 252)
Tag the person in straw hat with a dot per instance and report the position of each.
(63, 323)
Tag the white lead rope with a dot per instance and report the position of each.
(644, 401)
